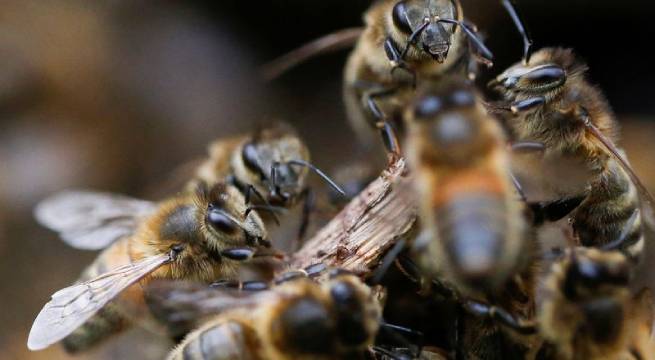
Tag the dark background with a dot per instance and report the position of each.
(116, 95)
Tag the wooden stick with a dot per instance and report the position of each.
(366, 228)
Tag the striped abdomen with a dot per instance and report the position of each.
(610, 215)
(218, 340)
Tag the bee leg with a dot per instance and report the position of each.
(308, 198)
(501, 315)
(386, 262)
(315, 270)
(387, 131)
(418, 336)
(290, 276)
(240, 285)
(396, 58)
(554, 210)
(526, 105)
(238, 254)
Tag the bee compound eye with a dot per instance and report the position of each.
(250, 158)
(221, 222)
(399, 16)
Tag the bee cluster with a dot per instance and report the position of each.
(438, 258)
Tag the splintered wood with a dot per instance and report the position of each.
(366, 228)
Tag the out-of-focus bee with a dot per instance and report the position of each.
(200, 235)
(298, 319)
(426, 38)
(272, 164)
(588, 312)
(474, 233)
(550, 101)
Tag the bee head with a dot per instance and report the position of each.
(265, 162)
(424, 19)
(546, 75)
(225, 220)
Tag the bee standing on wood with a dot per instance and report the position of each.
(549, 100)
(201, 235)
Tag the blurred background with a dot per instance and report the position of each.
(114, 95)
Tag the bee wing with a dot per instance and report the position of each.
(647, 201)
(71, 307)
(182, 305)
(91, 220)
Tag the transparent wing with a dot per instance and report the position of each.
(91, 220)
(71, 307)
(183, 305)
(647, 201)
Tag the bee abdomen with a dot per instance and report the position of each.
(473, 229)
(108, 321)
(611, 215)
(225, 341)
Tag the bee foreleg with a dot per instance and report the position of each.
(387, 132)
(527, 104)
(308, 206)
(555, 210)
(501, 315)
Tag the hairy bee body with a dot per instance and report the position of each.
(468, 204)
(588, 311)
(371, 74)
(295, 320)
(205, 230)
(554, 105)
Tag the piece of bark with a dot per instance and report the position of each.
(366, 228)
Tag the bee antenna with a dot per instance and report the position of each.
(481, 48)
(253, 190)
(396, 331)
(273, 210)
(516, 18)
(319, 173)
(412, 39)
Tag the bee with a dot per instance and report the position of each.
(298, 319)
(473, 223)
(550, 101)
(426, 38)
(272, 164)
(588, 311)
(201, 235)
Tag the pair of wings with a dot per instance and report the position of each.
(89, 220)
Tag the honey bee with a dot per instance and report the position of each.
(588, 312)
(201, 235)
(271, 164)
(298, 319)
(473, 223)
(426, 38)
(549, 100)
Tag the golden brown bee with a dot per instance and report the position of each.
(272, 164)
(588, 312)
(474, 232)
(201, 235)
(426, 38)
(550, 101)
(299, 319)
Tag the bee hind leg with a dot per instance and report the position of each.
(501, 315)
